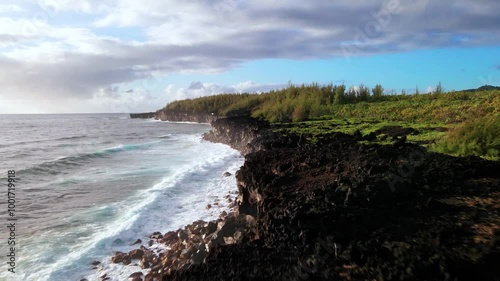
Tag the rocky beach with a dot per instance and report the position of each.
(336, 209)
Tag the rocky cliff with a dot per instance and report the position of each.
(165, 115)
(238, 132)
(339, 210)
(142, 115)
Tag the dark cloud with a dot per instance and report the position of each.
(242, 32)
(196, 85)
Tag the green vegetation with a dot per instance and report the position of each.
(479, 137)
(457, 123)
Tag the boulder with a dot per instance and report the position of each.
(169, 238)
(138, 241)
(136, 254)
(156, 235)
(118, 257)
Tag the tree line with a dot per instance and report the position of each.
(293, 103)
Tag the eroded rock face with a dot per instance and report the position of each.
(237, 132)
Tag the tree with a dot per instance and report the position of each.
(299, 113)
(377, 91)
(417, 92)
(339, 94)
(352, 94)
(364, 93)
(439, 89)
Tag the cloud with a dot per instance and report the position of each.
(43, 57)
(10, 8)
(199, 89)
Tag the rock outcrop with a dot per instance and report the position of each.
(147, 115)
(165, 115)
(239, 132)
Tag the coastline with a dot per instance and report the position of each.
(380, 204)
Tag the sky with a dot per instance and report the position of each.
(111, 56)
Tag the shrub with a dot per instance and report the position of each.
(478, 137)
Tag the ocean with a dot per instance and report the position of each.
(88, 185)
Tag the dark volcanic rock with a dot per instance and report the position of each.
(338, 210)
(142, 115)
(237, 132)
(172, 116)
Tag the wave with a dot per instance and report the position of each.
(62, 164)
(167, 136)
(111, 227)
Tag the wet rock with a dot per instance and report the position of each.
(156, 235)
(223, 214)
(126, 260)
(95, 263)
(209, 206)
(144, 263)
(169, 238)
(183, 235)
(209, 228)
(118, 257)
(136, 254)
(136, 274)
(138, 241)
(227, 174)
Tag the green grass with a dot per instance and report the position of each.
(428, 133)
(479, 137)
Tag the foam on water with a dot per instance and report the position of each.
(66, 250)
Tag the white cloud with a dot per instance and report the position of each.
(199, 89)
(10, 8)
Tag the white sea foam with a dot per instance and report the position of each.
(65, 252)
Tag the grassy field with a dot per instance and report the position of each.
(459, 124)
(424, 134)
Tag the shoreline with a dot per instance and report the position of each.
(382, 202)
(153, 246)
